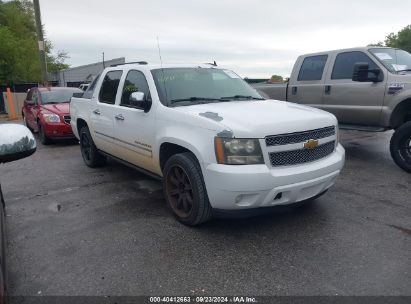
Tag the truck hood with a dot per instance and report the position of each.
(257, 119)
(59, 108)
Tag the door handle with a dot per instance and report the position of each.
(119, 117)
(294, 90)
(327, 89)
(97, 112)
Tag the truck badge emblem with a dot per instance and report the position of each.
(311, 144)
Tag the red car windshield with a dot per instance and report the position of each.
(58, 96)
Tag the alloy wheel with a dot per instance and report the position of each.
(179, 191)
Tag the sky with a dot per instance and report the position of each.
(255, 38)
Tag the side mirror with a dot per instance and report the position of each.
(362, 73)
(139, 101)
(16, 142)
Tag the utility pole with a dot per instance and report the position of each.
(40, 38)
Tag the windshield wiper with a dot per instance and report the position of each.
(242, 97)
(406, 70)
(194, 99)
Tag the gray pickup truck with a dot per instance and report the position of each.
(367, 89)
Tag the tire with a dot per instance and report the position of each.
(92, 158)
(43, 137)
(400, 147)
(185, 191)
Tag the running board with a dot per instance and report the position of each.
(127, 164)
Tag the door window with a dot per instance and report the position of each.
(344, 64)
(312, 68)
(135, 82)
(109, 87)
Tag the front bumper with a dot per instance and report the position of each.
(254, 186)
(58, 130)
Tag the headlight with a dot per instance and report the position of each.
(51, 118)
(233, 151)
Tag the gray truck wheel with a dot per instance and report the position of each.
(89, 151)
(185, 191)
(400, 147)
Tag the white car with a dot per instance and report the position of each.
(214, 141)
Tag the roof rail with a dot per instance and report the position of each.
(136, 62)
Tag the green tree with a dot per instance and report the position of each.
(19, 57)
(55, 62)
(400, 40)
(276, 78)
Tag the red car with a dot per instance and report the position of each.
(47, 111)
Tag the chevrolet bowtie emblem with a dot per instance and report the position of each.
(311, 144)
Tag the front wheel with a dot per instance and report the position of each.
(185, 191)
(400, 147)
(91, 155)
(43, 137)
(26, 123)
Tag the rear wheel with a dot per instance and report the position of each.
(43, 137)
(185, 191)
(91, 155)
(400, 147)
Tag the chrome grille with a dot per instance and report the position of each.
(67, 119)
(292, 138)
(301, 156)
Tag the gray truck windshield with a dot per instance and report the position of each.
(395, 60)
(185, 86)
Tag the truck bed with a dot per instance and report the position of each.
(277, 91)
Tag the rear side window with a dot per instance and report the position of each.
(312, 68)
(29, 95)
(109, 87)
(135, 82)
(344, 64)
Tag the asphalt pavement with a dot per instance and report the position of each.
(73, 230)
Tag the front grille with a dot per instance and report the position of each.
(67, 119)
(292, 138)
(301, 156)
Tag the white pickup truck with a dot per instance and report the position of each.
(216, 144)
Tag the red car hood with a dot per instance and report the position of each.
(59, 108)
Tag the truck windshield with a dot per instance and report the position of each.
(58, 96)
(185, 86)
(395, 60)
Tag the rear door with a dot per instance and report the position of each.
(102, 112)
(133, 128)
(307, 80)
(355, 103)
